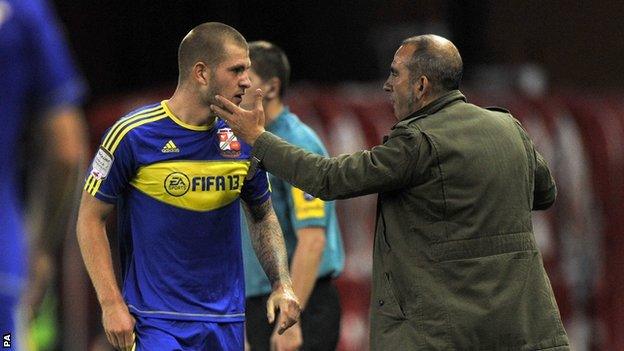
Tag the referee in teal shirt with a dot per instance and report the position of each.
(309, 225)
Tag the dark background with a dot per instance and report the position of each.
(127, 45)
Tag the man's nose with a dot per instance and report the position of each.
(387, 86)
(246, 82)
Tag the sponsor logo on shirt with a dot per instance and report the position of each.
(170, 147)
(229, 145)
(197, 185)
(177, 184)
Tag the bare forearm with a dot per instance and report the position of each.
(268, 243)
(54, 192)
(306, 261)
(96, 254)
(271, 251)
(51, 209)
(60, 196)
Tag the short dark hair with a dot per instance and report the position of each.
(206, 43)
(269, 60)
(441, 63)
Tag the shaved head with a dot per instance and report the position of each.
(436, 58)
(206, 43)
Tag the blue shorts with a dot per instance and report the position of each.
(169, 335)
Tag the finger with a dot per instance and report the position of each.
(281, 329)
(285, 325)
(110, 338)
(288, 318)
(227, 104)
(221, 112)
(116, 341)
(128, 338)
(270, 310)
(259, 96)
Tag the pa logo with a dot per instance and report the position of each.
(6, 340)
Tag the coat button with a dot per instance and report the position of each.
(380, 302)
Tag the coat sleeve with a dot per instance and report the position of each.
(545, 190)
(385, 167)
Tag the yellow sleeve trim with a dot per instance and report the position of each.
(93, 185)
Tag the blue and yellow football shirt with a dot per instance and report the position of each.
(177, 188)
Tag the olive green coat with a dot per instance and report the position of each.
(455, 263)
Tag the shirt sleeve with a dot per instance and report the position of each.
(305, 209)
(55, 80)
(111, 170)
(256, 190)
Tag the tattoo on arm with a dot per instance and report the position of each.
(268, 241)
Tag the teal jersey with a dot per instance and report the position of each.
(295, 210)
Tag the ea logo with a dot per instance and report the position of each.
(177, 184)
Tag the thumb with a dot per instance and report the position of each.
(270, 308)
(258, 102)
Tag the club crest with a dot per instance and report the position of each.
(229, 146)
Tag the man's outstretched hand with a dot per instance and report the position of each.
(246, 125)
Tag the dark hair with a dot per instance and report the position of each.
(437, 59)
(268, 61)
(206, 43)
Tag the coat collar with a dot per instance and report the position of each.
(434, 106)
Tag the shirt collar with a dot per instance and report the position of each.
(277, 121)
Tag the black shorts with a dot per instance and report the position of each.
(320, 321)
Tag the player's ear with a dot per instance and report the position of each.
(273, 88)
(201, 73)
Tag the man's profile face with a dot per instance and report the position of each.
(230, 77)
(399, 84)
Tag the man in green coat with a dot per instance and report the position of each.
(455, 264)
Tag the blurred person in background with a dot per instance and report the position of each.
(176, 174)
(455, 263)
(309, 224)
(40, 93)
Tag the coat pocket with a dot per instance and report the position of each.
(500, 301)
(393, 296)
